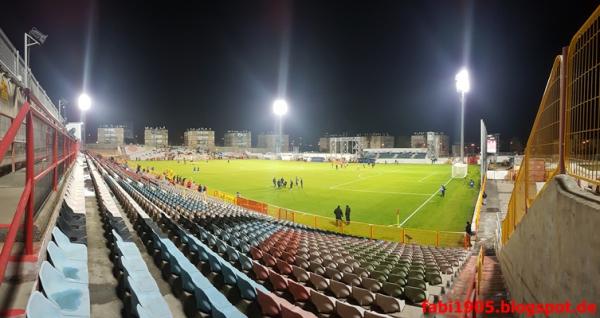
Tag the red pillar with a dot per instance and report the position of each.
(29, 177)
(55, 159)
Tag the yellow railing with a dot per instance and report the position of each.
(565, 137)
(479, 203)
(541, 158)
(582, 135)
(480, 258)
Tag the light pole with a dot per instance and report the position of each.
(85, 103)
(33, 37)
(280, 108)
(62, 105)
(462, 86)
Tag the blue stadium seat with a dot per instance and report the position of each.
(39, 306)
(144, 292)
(72, 269)
(72, 298)
(73, 251)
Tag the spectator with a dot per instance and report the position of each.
(347, 214)
(484, 196)
(469, 232)
(338, 216)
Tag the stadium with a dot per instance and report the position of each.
(100, 219)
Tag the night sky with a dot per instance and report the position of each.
(372, 66)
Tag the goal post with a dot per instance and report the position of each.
(459, 170)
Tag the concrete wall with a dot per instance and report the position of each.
(554, 254)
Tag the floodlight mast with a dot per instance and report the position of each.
(33, 37)
(280, 108)
(84, 102)
(463, 85)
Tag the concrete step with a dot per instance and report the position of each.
(14, 297)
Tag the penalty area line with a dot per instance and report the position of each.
(423, 204)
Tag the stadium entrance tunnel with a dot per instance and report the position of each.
(553, 254)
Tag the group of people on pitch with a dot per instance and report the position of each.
(282, 183)
(338, 215)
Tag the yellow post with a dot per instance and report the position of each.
(315, 220)
(371, 226)
(401, 235)
(398, 217)
(437, 238)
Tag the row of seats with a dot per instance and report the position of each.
(138, 288)
(64, 283)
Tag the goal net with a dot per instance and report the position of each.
(459, 170)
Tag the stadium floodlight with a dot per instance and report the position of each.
(463, 86)
(84, 102)
(37, 35)
(33, 37)
(280, 107)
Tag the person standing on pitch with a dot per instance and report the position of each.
(291, 184)
(302, 183)
(338, 216)
(274, 182)
(443, 191)
(347, 214)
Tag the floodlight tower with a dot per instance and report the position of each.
(280, 108)
(85, 103)
(33, 37)
(462, 86)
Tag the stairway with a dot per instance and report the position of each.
(492, 286)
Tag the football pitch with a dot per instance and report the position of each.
(373, 193)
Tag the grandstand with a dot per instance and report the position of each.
(85, 236)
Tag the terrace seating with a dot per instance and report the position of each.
(64, 279)
(377, 275)
(129, 265)
(231, 275)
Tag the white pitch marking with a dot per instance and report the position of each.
(386, 192)
(422, 205)
(427, 176)
(354, 181)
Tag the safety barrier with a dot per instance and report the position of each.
(565, 136)
(45, 165)
(479, 204)
(582, 133)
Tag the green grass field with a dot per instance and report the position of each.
(374, 194)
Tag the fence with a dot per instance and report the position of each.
(49, 152)
(565, 136)
(11, 61)
(583, 102)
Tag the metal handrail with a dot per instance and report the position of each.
(25, 207)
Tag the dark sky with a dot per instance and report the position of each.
(372, 66)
